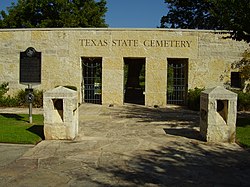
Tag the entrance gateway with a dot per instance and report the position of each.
(92, 80)
(134, 80)
(152, 67)
(177, 86)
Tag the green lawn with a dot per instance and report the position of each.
(15, 128)
(243, 132)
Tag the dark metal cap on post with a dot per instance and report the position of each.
(30, 98)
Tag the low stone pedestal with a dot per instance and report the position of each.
(218, 110)
(60, 114)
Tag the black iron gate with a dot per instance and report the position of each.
(92, 80)
(177, 81)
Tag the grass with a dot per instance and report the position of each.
(243, 132)
(17, 129)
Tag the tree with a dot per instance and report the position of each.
(244, 68)
(230, 15)
(54, 13)
(233, 15)
(210, 14)
(189, 14)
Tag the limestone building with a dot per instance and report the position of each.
(115, 66)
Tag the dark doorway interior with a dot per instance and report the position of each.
(92, 79)
(134, 80)
(177, 81)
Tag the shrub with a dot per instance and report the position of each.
(243, 102)
(3, 89)
(8, 101)
(194, 98)
(38, 101)
(38, 98)
(19, 99)
(3, 99)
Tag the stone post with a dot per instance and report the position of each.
(60, 114)
(218, 110)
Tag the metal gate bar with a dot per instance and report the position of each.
(177, 82)
(92, 80)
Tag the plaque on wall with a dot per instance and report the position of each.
(30, 66)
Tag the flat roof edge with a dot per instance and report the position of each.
(114, 29)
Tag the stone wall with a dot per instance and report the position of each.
(216, 54)
(209, 56)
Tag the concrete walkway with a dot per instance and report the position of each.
(130, 146)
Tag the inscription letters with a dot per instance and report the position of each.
(93, 42)
(135, 43)
(126, 43)
(166, 43)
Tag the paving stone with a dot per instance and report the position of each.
(116, 148)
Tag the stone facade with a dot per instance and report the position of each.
(209, 55)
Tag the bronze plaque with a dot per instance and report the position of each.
(30, 66)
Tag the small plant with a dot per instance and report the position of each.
(3, 89)
(38, 98)
(21, 97)
(244, 68)
(19, 100)
(8, 101)
(243, 102)
(194, 98)
(38, 101)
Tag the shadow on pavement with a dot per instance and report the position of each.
(181, 164)
(145, 114)
(141, 160)
(184, 132)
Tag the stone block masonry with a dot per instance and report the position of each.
(209, 55)
(60, 114)
(218, 115)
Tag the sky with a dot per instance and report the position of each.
(127, 13)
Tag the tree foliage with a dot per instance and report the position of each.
(243, 66)
(234, 15)
(189, 14)
(54, 13)
(210, 14)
